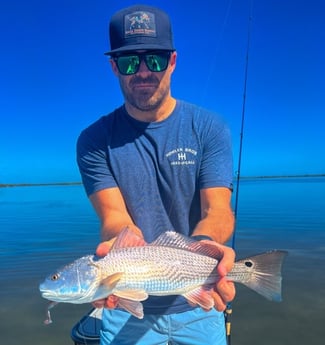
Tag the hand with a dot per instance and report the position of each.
(224, 290)
(104, 247)
(111, 301)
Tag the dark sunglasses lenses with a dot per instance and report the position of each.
(129, 64)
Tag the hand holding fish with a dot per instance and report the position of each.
(224, 290)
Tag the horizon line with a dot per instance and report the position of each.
(4, 185)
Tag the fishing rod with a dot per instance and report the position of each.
(228, 311)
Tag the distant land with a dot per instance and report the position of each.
(3, 185)
(6, 185)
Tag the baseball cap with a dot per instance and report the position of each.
(140, 27)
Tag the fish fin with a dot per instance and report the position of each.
(133, 295)
(265, 277)
(201, 296)
(133, 307)
(111, 281)
(179, 241)
(127, 238)
(107, 285)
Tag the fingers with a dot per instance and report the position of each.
(227, 257)
(227, 262)
(223, 292)
(104, 247)
(110, 302)
(219, 303)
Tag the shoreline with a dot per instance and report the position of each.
(45, 184)
(75, 183)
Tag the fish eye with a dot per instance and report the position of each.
(55, 277)
(248, 263)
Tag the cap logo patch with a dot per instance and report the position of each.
(140, 23)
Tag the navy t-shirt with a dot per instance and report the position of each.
(160, 168)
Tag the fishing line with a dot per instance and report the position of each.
(228, 311)
(242, 123)
(217, 46)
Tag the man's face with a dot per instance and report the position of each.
(146, 90)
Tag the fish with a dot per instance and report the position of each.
(173, 264)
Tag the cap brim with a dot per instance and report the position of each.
(131, 48)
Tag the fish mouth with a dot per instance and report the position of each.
(47, 294)
(59, 296)
(54, 297)
(44, 291)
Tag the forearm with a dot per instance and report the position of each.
(217, 219)
(217, 222)
(218, 226)
(112, 212)
(111, 229)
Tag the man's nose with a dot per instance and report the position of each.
(143, 67)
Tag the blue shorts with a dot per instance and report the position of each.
(194, 327)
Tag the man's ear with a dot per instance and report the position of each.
(114, 67)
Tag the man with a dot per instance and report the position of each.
(158, 164)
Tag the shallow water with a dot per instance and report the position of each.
(45, 227)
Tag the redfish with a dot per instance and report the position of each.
(171, 265)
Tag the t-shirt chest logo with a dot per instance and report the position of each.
(182, 156)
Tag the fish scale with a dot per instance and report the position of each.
(159, 270)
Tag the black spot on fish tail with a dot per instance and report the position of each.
(248, 264)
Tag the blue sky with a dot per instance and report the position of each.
(55, 80)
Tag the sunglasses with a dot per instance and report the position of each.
(130, 64)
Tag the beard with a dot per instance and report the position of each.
(147, 98)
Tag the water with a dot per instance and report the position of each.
(45, 227)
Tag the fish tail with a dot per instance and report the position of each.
(262, 274)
